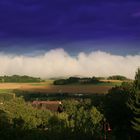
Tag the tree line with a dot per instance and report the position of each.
(19, 79)
(77, 80)
(87, 80)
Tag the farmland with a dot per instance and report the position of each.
(48, 91)
(48, 87)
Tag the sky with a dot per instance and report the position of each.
(33, 29)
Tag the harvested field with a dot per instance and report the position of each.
(22, 85)
(48, 88)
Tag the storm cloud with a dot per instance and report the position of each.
(57, 63)
(70, 20)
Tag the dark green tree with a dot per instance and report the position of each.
(134, 104)
(116, 111)
(136, 112)
(137, 80)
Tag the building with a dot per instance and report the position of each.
(49, 105)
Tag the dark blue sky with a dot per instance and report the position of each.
(75, 25)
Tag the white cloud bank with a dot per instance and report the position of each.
(56, 63)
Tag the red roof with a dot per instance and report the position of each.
(46, 102)
(50, 105)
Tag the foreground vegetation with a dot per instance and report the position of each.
(21, 121)
(114, 116)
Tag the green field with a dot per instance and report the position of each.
(6, 91)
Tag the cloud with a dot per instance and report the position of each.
(57, 62)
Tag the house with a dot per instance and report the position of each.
(49, 105)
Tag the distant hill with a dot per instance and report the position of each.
(19, 79)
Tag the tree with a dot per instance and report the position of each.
(116, 110)
(137, 80)
(136, 112)
(117, 77)
(134, 104)
(96, 118)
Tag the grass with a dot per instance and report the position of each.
(110, 84)
(46, 83)
(38, 84)
(6, 95)
(5, 91)
(97, 84)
